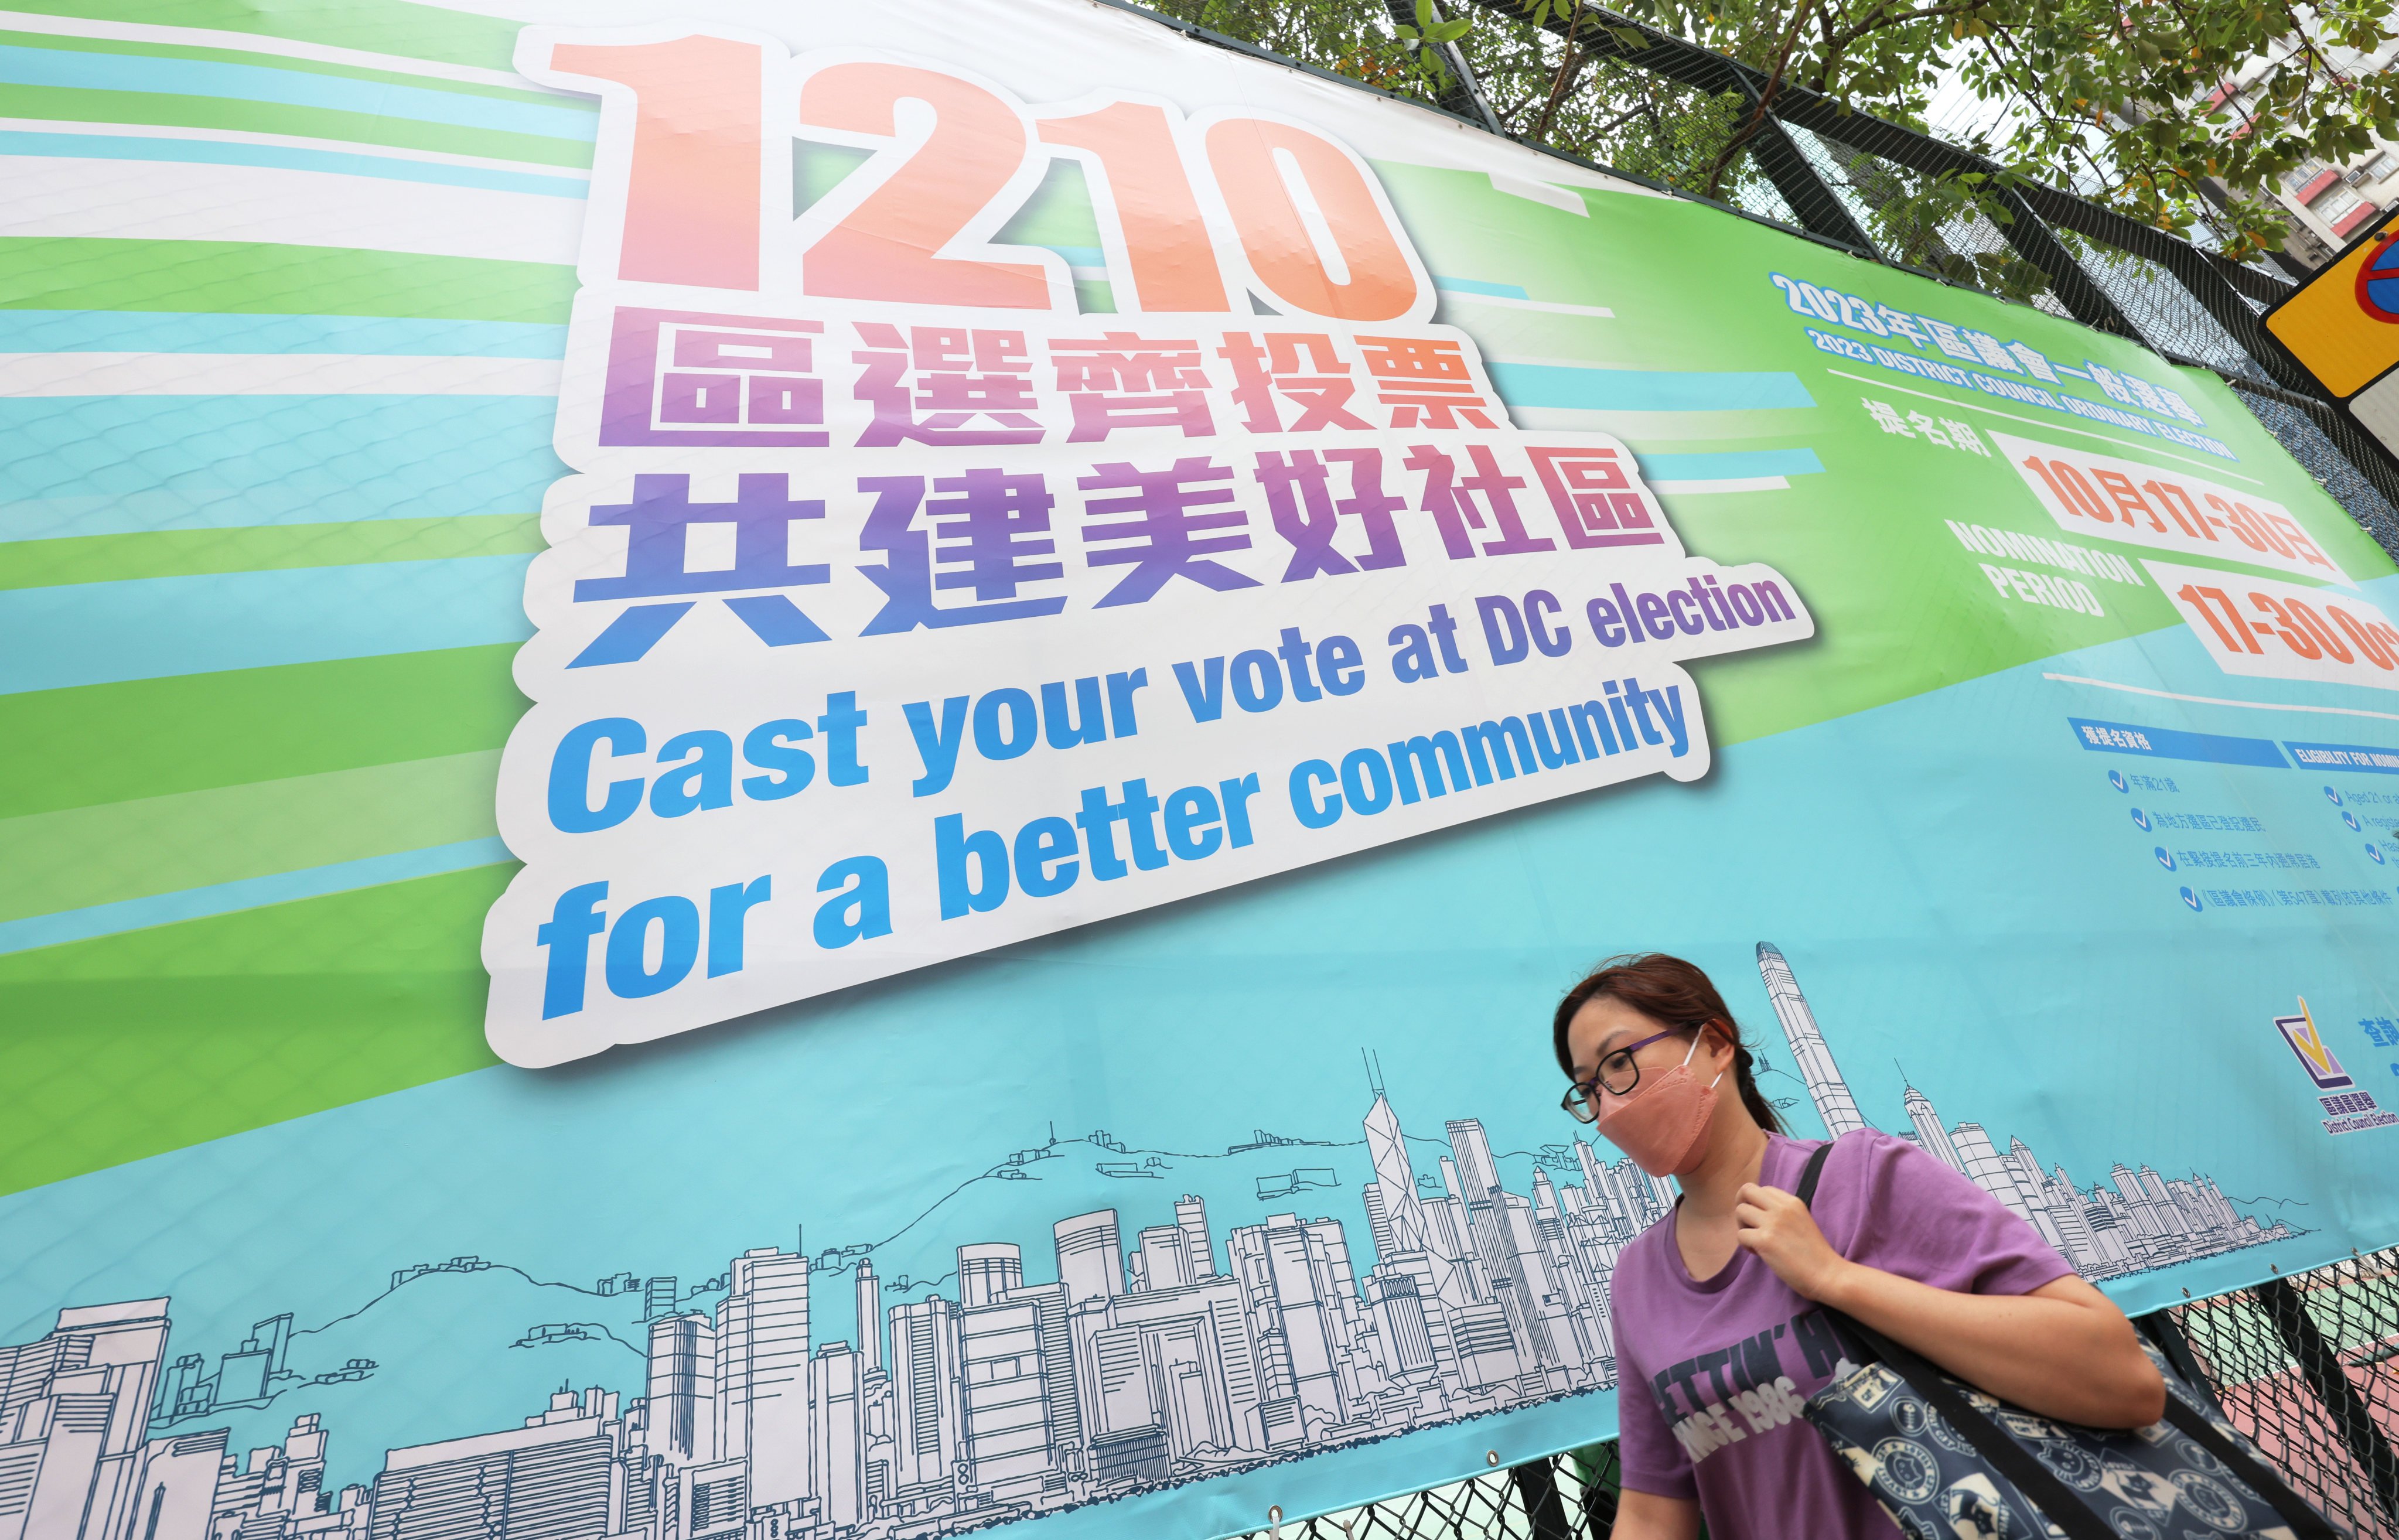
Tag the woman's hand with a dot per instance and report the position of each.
(2064, 1350)
(1780, 1229)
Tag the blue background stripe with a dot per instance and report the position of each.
(117, 465)
(1475, 286)
(207, 332)
(149, 628)
(1730, 465)
(289, 157)
(281, 887)
(2171, 743)
(203, 331)
(2345, 758)
(1646, 389)
(129, 71)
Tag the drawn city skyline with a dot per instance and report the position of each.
(1185, 1354)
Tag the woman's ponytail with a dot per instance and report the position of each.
(1751, 1097)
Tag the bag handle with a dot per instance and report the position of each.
(2295, 1511)
(2198, 1417)
(2055, 1500)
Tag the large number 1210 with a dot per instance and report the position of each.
(1193, 214)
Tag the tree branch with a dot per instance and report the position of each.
(1569, 65)
(1765, 100)
(1841, 41)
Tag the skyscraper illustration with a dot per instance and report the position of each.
(762, 1350)
(682, 1427)
(1095, 1372)
(1825, 1087)
(2140, 1222)
(1090, 1257)
(1929, 1135)
(1990, 1171)
(1191, 1217)
(870, 1318)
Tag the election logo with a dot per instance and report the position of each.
(2315, 1055)
(2140, 818)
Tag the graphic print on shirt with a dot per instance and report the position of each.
(1735, 1392)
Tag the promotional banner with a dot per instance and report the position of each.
(781, 775)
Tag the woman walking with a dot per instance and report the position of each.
(1715, 1307)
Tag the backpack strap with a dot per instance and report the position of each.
(1806, 1192)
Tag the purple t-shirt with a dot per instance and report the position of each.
(1710, 1375)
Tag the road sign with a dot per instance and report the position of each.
(2343, 326)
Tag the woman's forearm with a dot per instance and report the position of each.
(2062, 1351)
(1647, 1515)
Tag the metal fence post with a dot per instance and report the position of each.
(1810, 198)
(1811, 202)
(1600, 1494)
(1537, 1486)
(2159, 1328)
(2038, 245)
(1463, 96)
(2320, 1364)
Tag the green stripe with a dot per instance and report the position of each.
(76, 104)
(179, 553)
(129, 1045)
(252, 278)
(150, 738)
(389, 26)
(311, 66)
(78, 856)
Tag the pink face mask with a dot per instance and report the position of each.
(1661, 1124)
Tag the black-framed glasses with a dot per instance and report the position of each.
(1618, 1072)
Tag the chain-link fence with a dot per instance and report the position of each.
(1569, 1494)
(1606, 91)
(2307, 1367)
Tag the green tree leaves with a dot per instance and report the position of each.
(2187, 114)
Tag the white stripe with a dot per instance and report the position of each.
(1329, 256)
(280, 47)
(1540, 192)
(1693, 425)
(294, 141)
(1553, 308)
(2212, 700)
(2214, 468)
(1727, 483)
(75, 198)
(272, 374)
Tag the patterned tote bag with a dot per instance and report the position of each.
(1948, 1462)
